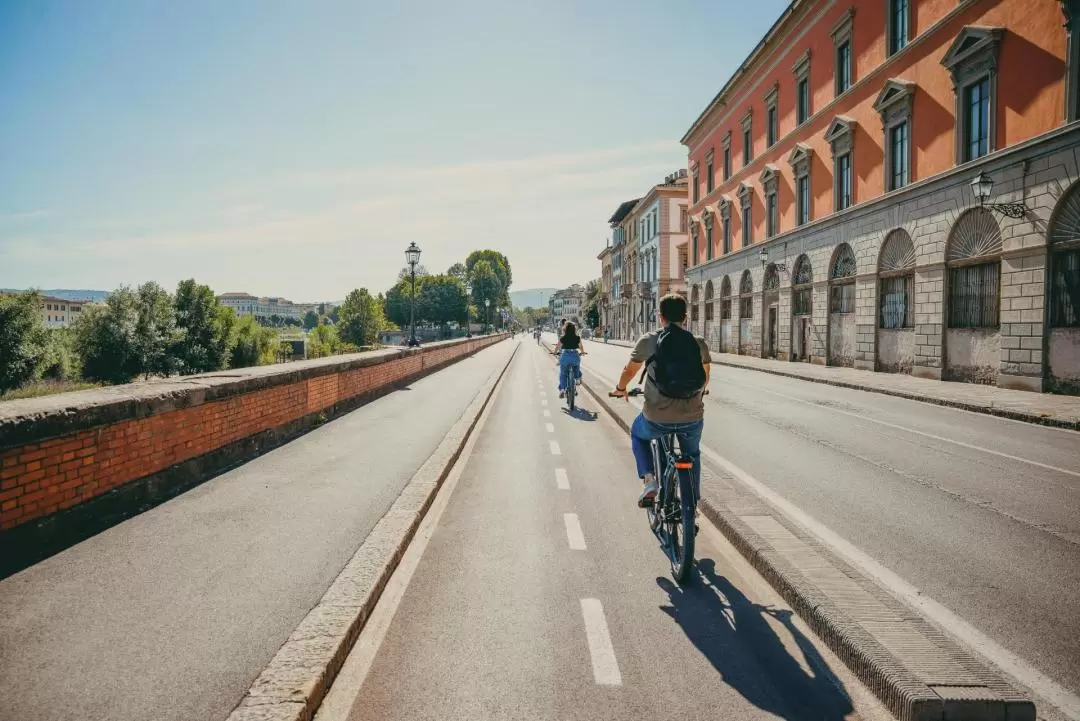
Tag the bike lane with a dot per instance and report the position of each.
(543, 594)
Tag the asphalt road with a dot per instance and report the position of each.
(517, 610)
(171, 614)
(981, 514)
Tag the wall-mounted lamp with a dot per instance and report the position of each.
(982, 186)
(763, 256)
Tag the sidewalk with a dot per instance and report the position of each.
(1041, 408)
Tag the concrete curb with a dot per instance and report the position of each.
(899, 688)
(295, 682)
(948, 402)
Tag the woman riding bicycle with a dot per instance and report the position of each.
(569, 349)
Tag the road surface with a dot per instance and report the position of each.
(980, 513)
(542, 594)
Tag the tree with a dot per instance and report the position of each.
(254, 346)
(22, 339)
(592, 314)
(105, 337)
(311, 319)
(398, 302)
(442, 300)
(501, 267)
(323, 341)
(155, 331)
(405, 273)
(361, 318)
(205, 329)
(485, 287)
(61, 361)
(459, 271)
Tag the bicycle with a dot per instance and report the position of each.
(569, 382)
(672, 514)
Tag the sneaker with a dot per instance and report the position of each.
(562, 394)
(648, 494)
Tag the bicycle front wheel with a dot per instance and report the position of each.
(681, 529)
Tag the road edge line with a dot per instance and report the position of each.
(294, 683)
(898, 689)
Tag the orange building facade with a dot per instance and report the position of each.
(833, 213)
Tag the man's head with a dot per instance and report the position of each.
(672, 309)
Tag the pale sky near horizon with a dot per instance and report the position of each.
(296, 148)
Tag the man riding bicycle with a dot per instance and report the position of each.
(677, 369)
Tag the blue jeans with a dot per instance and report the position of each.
(689, 434)
(569, 359)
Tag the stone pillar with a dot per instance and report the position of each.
(736, 324)
(1022, 320)
(929, 321)
(756, 323)
(866, 293)
(783, 318)
(819, 324)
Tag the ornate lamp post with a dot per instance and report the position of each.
(982, 186)
(468, 309)
(487, 313)
(763, 256)
(412, 256)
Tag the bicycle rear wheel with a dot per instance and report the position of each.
(680, 528)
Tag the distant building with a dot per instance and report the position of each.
(60, 313)
(567, 304)
(266, 307)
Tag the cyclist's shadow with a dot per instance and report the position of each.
(732, 632)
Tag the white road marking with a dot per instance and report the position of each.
(1066, 701)
(543, 394)
(543, 402)
(549, 427)
(574, 536)
(554, 446)
(605, 667)
(561, 479)
(339, 700)
(924, 433)
(547, 413)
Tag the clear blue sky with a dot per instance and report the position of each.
(295, 148)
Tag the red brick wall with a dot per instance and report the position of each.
(39, 479)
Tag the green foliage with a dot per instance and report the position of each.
(397, 302)
(323, 341)
(61, 362)
(155, 331)
(501, 268)
(459, 271)
(254, 345)
(592, 314)
(105, 337)
(485, 287)
(22, 339)
(311, 319)
(362, 318)
(204, 329)
(442, 300)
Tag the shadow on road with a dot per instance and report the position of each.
(582, 414)
(735, 635)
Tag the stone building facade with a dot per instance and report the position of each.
(913, 206)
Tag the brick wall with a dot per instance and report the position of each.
(59, 452)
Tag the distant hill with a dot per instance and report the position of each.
(96, 296)
(533, 298)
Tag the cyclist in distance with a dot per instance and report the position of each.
(677, 367)
(569, 349)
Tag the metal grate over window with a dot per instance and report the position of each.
(897, 309)
(842, 298)
(1065, 289)
(973, 295)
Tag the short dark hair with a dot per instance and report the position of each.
(673, 308)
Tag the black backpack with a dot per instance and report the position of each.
(677, 368)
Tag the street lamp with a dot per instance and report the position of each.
(412, 256)
(763, 256)
(982, 186)
(487, 313)
(468, 309)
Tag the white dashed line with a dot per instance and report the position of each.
(547, 413)
(550, 428)
(554, 446)
(605, 668)
(561, 479)
(543, 402)
(574, 536)
(543, 394)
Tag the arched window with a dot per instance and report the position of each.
(1064, 240)
(694, 303)
(802, 287)
(725, 298)
(896, 270)
(772, 278)
(708, 300)
(842, 280)
(746, 299)
(973, 257)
